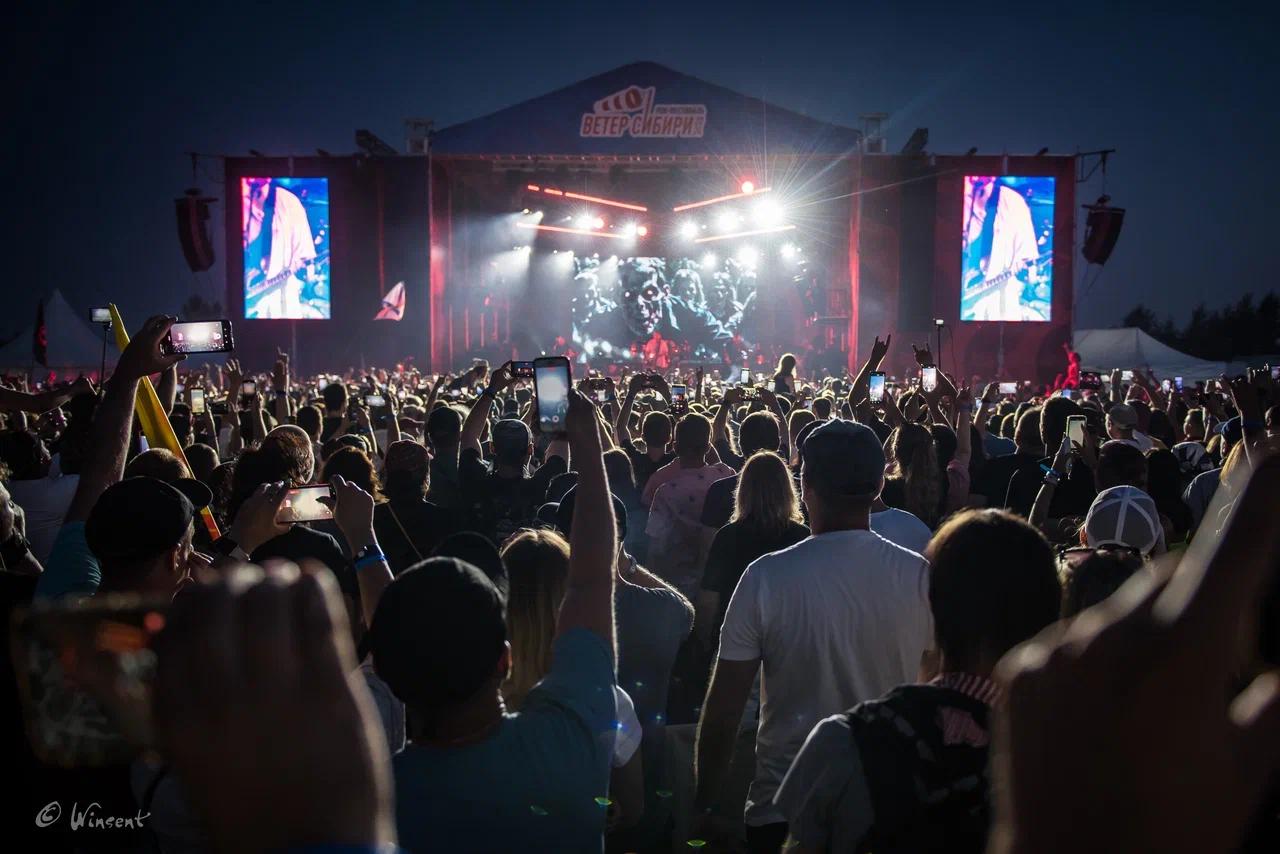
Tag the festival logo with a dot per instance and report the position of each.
(635, 112)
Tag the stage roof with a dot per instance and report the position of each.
(644, 110)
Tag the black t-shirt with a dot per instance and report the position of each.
(729, 458)
(1072, 496)
(422, 525)
(642, 465)
(498, 506)
(718, 506)
(301, 543)
(735, 546)
(993, 483)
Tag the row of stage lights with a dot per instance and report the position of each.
(748, 256)
(766, 216)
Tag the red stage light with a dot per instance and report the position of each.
(609, 202)
(642, 230)
(561, 230)
(748, 187)
(535, 188)
(730, 197)
(554, 192)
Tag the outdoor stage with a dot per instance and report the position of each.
(647, 217)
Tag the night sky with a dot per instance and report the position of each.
(105, 97)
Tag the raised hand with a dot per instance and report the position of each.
(924, 356)
(254, 692)
(280, 373)
(879, 349)
(142, 357)
(256, 521)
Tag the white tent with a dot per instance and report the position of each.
(1105, 349)
(74, 342)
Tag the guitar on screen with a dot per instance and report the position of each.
(257, 285)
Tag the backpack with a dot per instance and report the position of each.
(927, 795)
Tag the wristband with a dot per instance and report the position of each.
(368, 556)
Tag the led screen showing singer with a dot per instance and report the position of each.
(285, 234)
(1007, 248)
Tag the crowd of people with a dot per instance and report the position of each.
(773, 617)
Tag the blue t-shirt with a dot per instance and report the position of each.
(531, 786)
(71, 570)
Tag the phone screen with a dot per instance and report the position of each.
(1165, 386)
(374, 400)
(1177, 381)
(199, 336)
(1008, 388)
(101, 315)
(678, 395)
(746, 378)
(197, 401)
(1090, 380)
(928, 378)
(876, 386)
(303, 505)
(1075, 430)
(522, 370)
(248, 387)
(1126, 376)
(1066, 393)
(551, 378)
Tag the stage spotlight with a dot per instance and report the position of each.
(629, 230)
(709, 260)
(688, 229)
(748, 256)
(788, 251)
(586, 221)
(598, 222)
(642, 230)
(748, 187)
(727, 221)
(768, 213)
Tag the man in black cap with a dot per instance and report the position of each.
(140, 531)
(838, 618)
(498, 502)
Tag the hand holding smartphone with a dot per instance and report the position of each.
(928, 378)
(552, 379)
(304, 504)
(679, 400)
(198, 336)
(197, 401)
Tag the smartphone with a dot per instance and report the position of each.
(1275, 373)
(875, 386)
(248, 388)
(303, 504)
(1065, 393)
(100, 315)
(929, 377)
(746, 378)
(85, 671)
(1177, 381)
(601, 389)
(522, 370)
(199, 336)
(551, 382)
(197, 401)
(374, 400)
(1126, 376)
(1090, 381)
(679, 399)
(1008, 388)
(1166, 386)
(1075, 430)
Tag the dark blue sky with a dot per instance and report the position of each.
(106, 97)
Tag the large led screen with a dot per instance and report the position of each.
(285, 234)
(1007, 248)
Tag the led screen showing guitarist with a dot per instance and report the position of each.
(1007, 248)
(285, 231)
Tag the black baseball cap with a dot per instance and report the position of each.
(511, 437)
(844, 458)
(141, 517)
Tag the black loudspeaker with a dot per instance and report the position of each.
(1101, 231)
(193, 229)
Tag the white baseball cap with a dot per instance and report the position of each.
(1124, 516)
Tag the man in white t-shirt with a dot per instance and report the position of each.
(836, 619)
(900, 528)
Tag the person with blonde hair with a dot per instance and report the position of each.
(537, 563)
(766, 518)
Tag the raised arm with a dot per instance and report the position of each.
(280, 381)
(113, 422)
(167, 389)
(622, 427)
(858, 388)
(473, 426)
(588, 598)
(720, 427)
(12, 400)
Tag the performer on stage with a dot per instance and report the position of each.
(277, 240)
(1000, 254)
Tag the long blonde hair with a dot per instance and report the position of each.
(537, 565)
(766, 494)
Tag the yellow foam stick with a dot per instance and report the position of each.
(155, 423)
